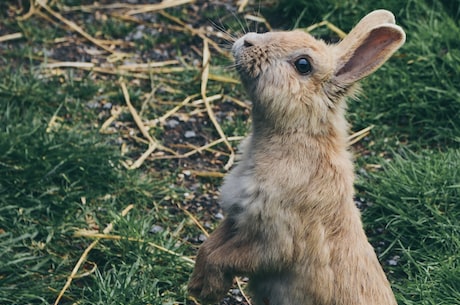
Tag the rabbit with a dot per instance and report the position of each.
(291, 224)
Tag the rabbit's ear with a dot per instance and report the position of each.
(374, 39)
(371, 20)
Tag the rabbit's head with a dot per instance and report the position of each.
(296, 81)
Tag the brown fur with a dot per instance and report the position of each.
(291, 224)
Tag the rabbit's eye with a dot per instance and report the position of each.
(302, 66)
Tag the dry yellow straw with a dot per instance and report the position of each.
(85, 254)
(153, 144)
(204, 82)
(357, 136)
(10, 37)
(84, 233)
(332, 27)
(158, 7)
(73, 26)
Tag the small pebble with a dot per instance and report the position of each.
(394, 260)
(172, 123)
(156, 229)
(190, 134)
(93, 105)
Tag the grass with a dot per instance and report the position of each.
(68, 178)
(63, 172)
(415, 218)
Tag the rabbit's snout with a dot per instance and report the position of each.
(251, 39)
(251, 55)
(247, 41)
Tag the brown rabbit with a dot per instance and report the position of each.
(291, 224)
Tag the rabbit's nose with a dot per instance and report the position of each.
(247, 43)
(253, 39)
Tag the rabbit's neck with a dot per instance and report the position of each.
(330, 135)
(301, 147)
(315, 119)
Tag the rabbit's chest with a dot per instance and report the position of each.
(240, 189)
(252, 187)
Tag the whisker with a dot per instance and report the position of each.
(233, 66)
(224, 34)
(243, 28)
(227, 46)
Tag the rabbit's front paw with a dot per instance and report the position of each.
(195, 285)
(215, 285)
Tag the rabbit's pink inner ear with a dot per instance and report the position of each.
(374, 49)
(371, 20)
